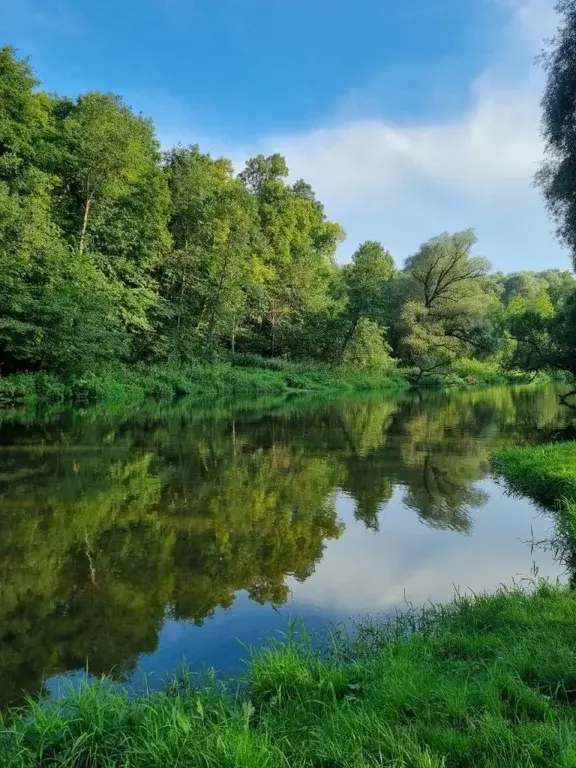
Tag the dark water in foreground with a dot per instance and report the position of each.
(129, 544)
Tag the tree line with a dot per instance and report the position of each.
(113, 251)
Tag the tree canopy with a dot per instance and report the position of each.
(557, 176)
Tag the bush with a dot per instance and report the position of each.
(267, 363)
(32, 388)
(368, 350)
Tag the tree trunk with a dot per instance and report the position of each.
(209, 340)
(89, 558)
(85, 224)
(348, 338)
(182, 288)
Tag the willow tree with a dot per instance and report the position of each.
(444, 307)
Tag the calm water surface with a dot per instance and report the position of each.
(130, 544)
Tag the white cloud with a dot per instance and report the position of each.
(363, 573)
(402, 183)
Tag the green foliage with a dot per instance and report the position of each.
(206, 282)
(557, 176)
(365, 279)
(367, 349)
(547, 473)
(545, 337)
(474, 372)
(443, 311)
(551, 285)
(484, 681)
(112, 254)
(110, 151)
(112, 198)
(296, 262)
(137, 385)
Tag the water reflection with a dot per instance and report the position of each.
(114, 529)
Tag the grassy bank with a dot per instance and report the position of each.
(486, 681)
(166, 383)
(545, 473)
(244, 376)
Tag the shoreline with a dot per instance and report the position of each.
(547, 475)
(486, 680)
(169, 383)
(483, 680)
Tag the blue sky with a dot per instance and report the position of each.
(409, 118)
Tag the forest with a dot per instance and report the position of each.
(117, 254)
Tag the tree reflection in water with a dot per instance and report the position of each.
(110, 524)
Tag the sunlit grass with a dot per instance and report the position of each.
(165, 383)
(241, 377)
(546, 473)
(486, 681)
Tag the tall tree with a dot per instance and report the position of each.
(24, 116)
(299, 260)
(443, 304)
(557, 176)
(561, 284)
(108, 152)
(528, 285)
(205, 279)
(366, 278)
(112, 196)
(56, 308)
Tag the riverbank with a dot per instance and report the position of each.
(132, 386)
(484, 681)
(545, 473)
(244, 378)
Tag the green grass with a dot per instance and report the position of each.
(487, 681)
(546, 473)
(168, 382)
(244, 376)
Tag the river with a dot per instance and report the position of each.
(130, 544)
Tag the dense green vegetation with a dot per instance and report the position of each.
(113, 520)
(546, 473)
(151, 275)
(486, 681)
(117, 259)
(137, 384)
